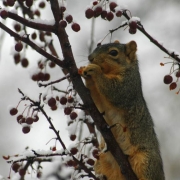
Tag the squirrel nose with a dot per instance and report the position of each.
(90, 58)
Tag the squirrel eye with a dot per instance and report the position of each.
(113, 53)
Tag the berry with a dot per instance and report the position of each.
(13, 111)
(29, 3)
(168, 79)
(10, 2)
(18, 47)
(15, 167)
(95, 3)
(74, 150)
(112, 6)
(89, 13)
(46, 77)
(53, 148)
(33, 35)
(40, 76)
(36, 118)
(70, 163)
(104, 14)
(69, 18)
(178, 74)
(119, 13)
(29, 120)
(97, 11)
(62, 9)
(75, 27)
(52, 64)
(90, 162)
(17, 27)
(24, 62)
(132, 31)
(70, 99)
(133, 25)
(54, 108)
(35, 77)
(109, 16)
(17, 58)
(95, 153)
(4, 14)
(72, 137)
(42, 4)
(67, 110)
(37, 13)
(41, 36)
(63, 100)
(52, 102)
(63, 24)
(22, 172)
(73, 115)
(19, 117)
(173, 86)
(26, 129)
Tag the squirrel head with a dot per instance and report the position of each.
(114, 57)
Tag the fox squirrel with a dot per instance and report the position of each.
(115, 85)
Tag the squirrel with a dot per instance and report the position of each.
(114, 82)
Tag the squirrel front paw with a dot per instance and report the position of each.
(89, 71)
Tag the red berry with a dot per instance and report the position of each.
(15, 167)
(73, 115)
(67, 110)
(104, 14)
(168, 79)
(95, 3)
(109, 16)
(52, 102)
(53, 148)
(10, 2)
(26, 129)
(54, 108)
(74, 150)
(75, 27)
(62, 9)
(22, 172)
(97, 11)
(36, 118)
(42, 4)
(90, 162)
(17, 58)
(173, 86)
(41, 37)
(17, 27)
(70, 163)
(33, 35)
(89, 13)
(19, 117)
(63, 24)
(37, 13)
(69, 18)
(119, 13)
(63, 100)
(112, 6)
(29, 120)
(178, 74)
(29, 3)
(13, 111)
(133, 25)
(46, 77)
(4, 14)
(132, 31)
(24, 62)
(70, 99)
(95, 153)
(18, 46)
(52, 64)
(72, 137)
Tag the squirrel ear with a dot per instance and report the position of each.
(131, 49)
(116, 41)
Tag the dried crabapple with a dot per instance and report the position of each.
(24, 62)
(67, 110)
(26, 129)
(95, 3)
(40, 76)
(4, 14)
(63, 24)
(74, 150)
(46, 77)
(75, 27)
(19, 117)
(53, 148)
(63, 100)
(29, 120)
(95, 153)
(90, 161)
(36, 118)
(54, 108)
(13, 111)
(173, 86)
(33, 35)
(132, 31)
(17, 58)
(52, 64)
(112, 6)
(17, 27)
(168, 79)
(103, 14)
(29, 3)
(97, 11)
(52, 102)
(119, 13)
(70, 99)
(73, 115)
(178, 74)
(62, 9)
(41, 36)
(69, 18)
(37, 13)
(22, 172)
(42, 4)
(10, 2)
(18, 46)
(89, 13)
(72, 137)
(15, 167)
(70, 163)
(133, 25)
(109, 16)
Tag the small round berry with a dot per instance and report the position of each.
(46, 77)
(13, 111)
(97, 11)
(63, 24)
(178, 74)
(54, 108)
(52, 64)
(69, 18)
(17, 27)
(70, 163)
(109, 16)
(119, 13)
(73, 115)
(95, 3)
(37, 13)
(63, 100)
(75, 27)
(24, 62)
(33, 35)
(90, 162)
(42, 4)
(4, 14)
(36, 118)
(103, 14)
(67, 110)
(15, 167)
(18, 46)
(35, 77)
(17, 58)
(10, 2)
(168, 79)
(19, 117)
(70, 99)
(133, 25)
(52, 102)
(53, 148)
(41, 37)
(95, 153)
(89, 13)
(29, 3)
(112, 6)
(22, 172)
(72, 137)
(173, 86)
(39, 174)
(62, 9)
(132, 31)
(29, 120)
(26, 129)
(74, 150)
